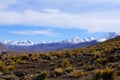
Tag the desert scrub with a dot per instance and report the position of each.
(3, 69)
(106, 74)
(12, 62)
(65, 63)
(102, 61)
(96, 54)
(45, 61)
(11, 77)
(53, 58)
(68, 54)
(25, 78)
(59, 54)
(69, 69)
(1, 63)
(46, 56)
(80, 63)
(30, 55)
(52, 64)
(25, 57)
(15, 58)
(90, 67)
(36, 56)
(34, 59)
(59, 71)
(76, 74)
(11, 68)
(41, 76)
(21, 61)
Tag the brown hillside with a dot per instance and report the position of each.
(98, 62)
(3, 47)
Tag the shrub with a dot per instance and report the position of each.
(80, 63)
(1, 63)
(45, 73)
(3, 68)
(69, 69)
(45, 61)
(11, 77)
(25, 78)
(107, 74)
(10, 68)
(97, 54)
(76, 74)
(65, 63)
(12, 62)
(54, 58)
(25, 57)
(20, 62)
(90, 67)
(102, 61)
(69, 54)
(30, 55)
(52, 64)
(19, 73)
(46, 57)
(58, 71)
(34, 59)
(41, 76)
(59, 54)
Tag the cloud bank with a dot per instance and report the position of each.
(92, 21)
(35, 32)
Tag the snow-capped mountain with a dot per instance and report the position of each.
(71, 41)
(107, 36)
(76, 40)
(18, 43)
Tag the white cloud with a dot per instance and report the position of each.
(35, 32)
(7, 3)
(66, 5)
(93, 21)
(101, 21)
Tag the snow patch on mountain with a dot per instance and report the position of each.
(77, 40)
(18, 43)
(108, 36)
(74, 40)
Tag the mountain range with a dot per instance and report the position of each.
(77, 42)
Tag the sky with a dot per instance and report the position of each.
(56, 20)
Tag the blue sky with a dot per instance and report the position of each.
(56, 20)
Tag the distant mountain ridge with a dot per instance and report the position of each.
(107, 36)
(70, 43)
(18, 43)
(77, 40)
(3, 47)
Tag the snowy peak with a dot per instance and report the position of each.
(110, 35)
(25, 43)
(18, 43)
(77, 40)
(107, 36)
(74, 40)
